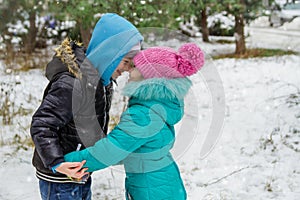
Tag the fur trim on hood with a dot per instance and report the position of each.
(67, 56)
(158, 89)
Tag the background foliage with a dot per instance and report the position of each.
(27, 25)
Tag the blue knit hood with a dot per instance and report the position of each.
(113, 37)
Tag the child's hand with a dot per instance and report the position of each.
(73, 169)
(92, 163)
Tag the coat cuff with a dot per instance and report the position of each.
(55, 167)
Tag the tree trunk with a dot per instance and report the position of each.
(10, 55)
(30, 39)
(204, 28)
(240, 47)
(85, 34)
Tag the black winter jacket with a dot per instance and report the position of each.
(74, 110)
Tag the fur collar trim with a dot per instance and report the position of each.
(67, 56)
(158, 89)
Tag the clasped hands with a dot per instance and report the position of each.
(74, 170)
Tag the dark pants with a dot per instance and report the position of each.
(65, 191)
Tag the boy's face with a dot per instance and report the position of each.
(125, 65)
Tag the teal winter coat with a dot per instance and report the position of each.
(143, 139)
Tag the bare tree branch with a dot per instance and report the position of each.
(228, 175)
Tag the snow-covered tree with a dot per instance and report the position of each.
(24, 13)
(199, 9)
(151, 13)
(84, 13)
(243, 11)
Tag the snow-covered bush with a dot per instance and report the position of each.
(20, 50)
(190, 28)
(54, 30)
(221, 24)
(49, 30)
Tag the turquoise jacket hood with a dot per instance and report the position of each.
(112, 38)
(164, 96)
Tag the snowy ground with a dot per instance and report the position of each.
(256, 155)
(286, 37)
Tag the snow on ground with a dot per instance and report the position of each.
(255, 157)
(261, 22)
(260, 34)
(253, 146)
(293, 25)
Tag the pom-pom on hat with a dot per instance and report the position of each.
(164, 62)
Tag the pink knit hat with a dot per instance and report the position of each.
(159, 62)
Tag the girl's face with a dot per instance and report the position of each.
(135, 75)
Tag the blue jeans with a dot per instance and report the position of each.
(65, 191)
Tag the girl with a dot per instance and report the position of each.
(145, 134)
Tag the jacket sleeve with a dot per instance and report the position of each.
(134, 129)
(54, 112)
